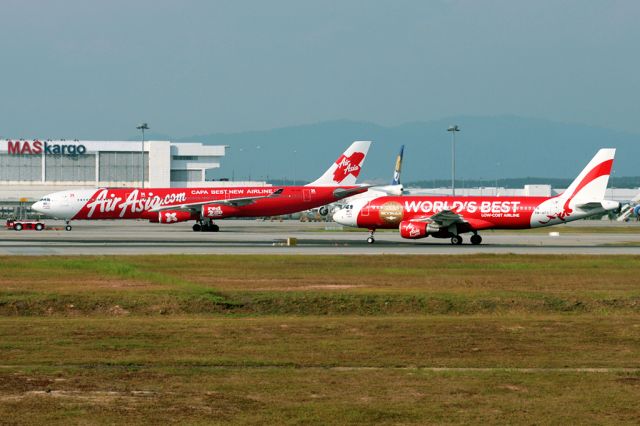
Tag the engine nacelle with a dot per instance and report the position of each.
(218, 211)
(171, 216)
(636, 211)
(413, 230)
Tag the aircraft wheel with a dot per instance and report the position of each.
(324, 210)
(456, 240)
(196, 227)
(67, 228)
(371, 240)
(214, 228)
(39, 227)
(17, 227)
(476, 239)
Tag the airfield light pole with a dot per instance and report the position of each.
(453, 129)
(497, 178)
(294, 167)
(142, 127)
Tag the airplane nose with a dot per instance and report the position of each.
(344, 217)
(37, 206)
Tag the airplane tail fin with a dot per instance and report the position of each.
(398, 168)
(591, 183)
(346, 168)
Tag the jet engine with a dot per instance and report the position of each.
(218, 211)
(414, 230)
(171, 216)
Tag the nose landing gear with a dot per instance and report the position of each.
(371, 240)
(68, 227)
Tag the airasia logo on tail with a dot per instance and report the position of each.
(348, 166)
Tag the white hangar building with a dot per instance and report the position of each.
(30, 169)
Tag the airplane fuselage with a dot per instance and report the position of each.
(155, 204)
(392, 212)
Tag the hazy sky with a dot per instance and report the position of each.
(94, 69)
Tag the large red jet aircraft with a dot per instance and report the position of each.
(171, 205)
(449, 216)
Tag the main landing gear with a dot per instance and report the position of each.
(475, 240)
(371, 240)
(206, 226)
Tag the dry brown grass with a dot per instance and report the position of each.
(470, 341)
(453, 274)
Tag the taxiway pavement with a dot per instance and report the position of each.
(259, 237)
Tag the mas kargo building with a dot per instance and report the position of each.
(30, 169)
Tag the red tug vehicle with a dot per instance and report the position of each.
(19, 225)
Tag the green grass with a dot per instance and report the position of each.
(320, 340)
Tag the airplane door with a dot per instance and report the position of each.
(306, 195)
(365, 209)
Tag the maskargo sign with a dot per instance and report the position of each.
(37, 147)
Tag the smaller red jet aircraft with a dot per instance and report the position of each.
(450, 216)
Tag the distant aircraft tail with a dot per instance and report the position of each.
(591, 183)
(398, 168)
(346, 168)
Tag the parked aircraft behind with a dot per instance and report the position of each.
(450, 216)
(171, 205)
(630, 209)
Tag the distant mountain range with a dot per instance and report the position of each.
(486, 148)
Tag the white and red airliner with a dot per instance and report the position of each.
(450, 216)
(204, 205)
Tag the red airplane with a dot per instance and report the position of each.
(449, 216)
(171, 205)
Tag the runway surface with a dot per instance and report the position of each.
(258, 237)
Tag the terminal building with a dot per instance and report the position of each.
(30, 169)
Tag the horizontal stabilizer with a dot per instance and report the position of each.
(593, 205)
(590, 206)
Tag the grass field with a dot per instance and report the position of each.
(320, 340)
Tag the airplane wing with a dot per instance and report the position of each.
(443, 219)
(344, 192)
(235, 202)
